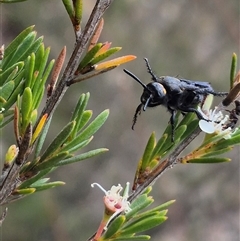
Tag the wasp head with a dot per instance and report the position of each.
(153, 94)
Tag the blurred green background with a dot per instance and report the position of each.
(194, 39)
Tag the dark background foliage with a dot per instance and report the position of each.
(194, 39)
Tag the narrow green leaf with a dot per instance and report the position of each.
(157, 149)
(26, 107)
(104, 55)
(21, 50)
(82, 156)
(233, 69)
(190, 128)
(10, 77)
(179, 132)
(114, 227)
(212, 153)
(209, 160)
(148, 151)
(78, 7)
(144, 225)
(138, 204)
(53, 161)
(58, 141)
(149, 213)
(35, 178)
(17, 41)
(2, 124)
(39, 57)
(142, 217)
(33, 48)
(41, 181)
(74, 146)
(163, 206)
(7, 90)
(87, 114)
(89, 56)
(37, 83)
(25, 191)
(39, 97)
(79, 110)
(187, 119)
(11, 1)
(235, 140)
(12, 69)
(39, 87)
(29, 67)
(93, 126)
(69, 8)
(49, 185)
(138, 238)
(19, 77)
(42, 138)
(78, 106)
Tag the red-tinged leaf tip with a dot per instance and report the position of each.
(104, 48)
(114, 62)
(39, 127)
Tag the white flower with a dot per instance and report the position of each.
(114, 202)
(215, 122)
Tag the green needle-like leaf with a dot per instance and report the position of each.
(104, 55)
(78, 8)
(21, 50)
(35, 178)
(78, 112)
(82, 157)
(29, 66)
(58, 141)
(75, 145)
(25, 191)
(93, 127)
(52, 161)
(130, 237)
(12, 70)
(209, 160)
(69, 8)
(48, 185)
(157, 149)
(190, 128)
(42, 138)
(89, 56)
(26, 107)
(39, 57)
(18, 40)
(114, 227)
(143, 225)
(148, 151)
(7, 90)
(138, 204)
(233, 69)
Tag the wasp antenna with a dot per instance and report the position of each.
(137, 113)
(136, 78)
(154, 77)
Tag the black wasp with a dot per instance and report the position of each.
(173, 93)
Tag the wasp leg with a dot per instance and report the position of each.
(137, 113)
(190, 109)
(172, 122)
